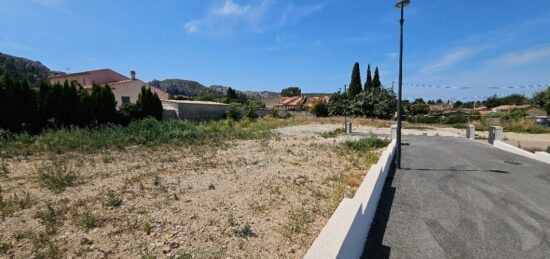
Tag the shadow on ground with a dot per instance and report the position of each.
(374, 247)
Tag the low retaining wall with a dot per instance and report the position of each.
(542, 156)
(507, 147)
(345, 233)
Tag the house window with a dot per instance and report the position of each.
(125, 99)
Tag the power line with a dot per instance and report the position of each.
(475, 87)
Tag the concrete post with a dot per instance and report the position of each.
(495, 133)
(348, 128)
(393, 132)
(471, 132)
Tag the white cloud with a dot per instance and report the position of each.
(523, 57)
(292, 13)
(231, 8)
(449, 59)
(257, 16)
(192, 26)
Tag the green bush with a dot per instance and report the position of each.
(250, 111)
(234, 111)
(548, 150)
(455, 119)
(274, 113)
(366, 144)
(319, 108)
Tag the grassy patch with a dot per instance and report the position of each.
(112, 199)
(298, 222)
(58, 176)
(87, 219)
(13, 203)
(512, 125)
(146, 132)
(333, 133)
(366, 144)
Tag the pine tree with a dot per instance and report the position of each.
(368, 83)
(355, 84)
(376, 84)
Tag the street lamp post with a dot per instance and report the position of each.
(401, 5)
(345, 112)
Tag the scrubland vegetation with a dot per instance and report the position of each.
(176, 189)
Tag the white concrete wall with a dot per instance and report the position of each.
(542, 156)
(507, 147)
(345, 233)
(196, 110)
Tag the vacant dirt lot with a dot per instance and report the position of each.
(248, 199)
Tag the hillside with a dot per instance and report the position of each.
(193, 88)
(22, 68)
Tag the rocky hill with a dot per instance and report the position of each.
(193, 88)
(22, 68)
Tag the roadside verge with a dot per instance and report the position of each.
(540, 156)
(345, 233)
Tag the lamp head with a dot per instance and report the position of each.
(402, 3)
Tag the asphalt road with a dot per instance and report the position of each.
(455, 198)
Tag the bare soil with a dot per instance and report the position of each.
(248, 199)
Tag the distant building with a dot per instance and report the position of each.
(299, 102)
(510, 108)
(126, 90)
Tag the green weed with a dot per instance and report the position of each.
(58, 177)
(334, 133)
(366, 144)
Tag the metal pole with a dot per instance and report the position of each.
(398, 153)
(345, 111)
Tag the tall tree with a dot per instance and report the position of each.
(368, 83)
(231, 94)
(355, 84)
(376, 84)
(103, 104)
(149, 103)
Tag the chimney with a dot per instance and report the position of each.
(133, 75)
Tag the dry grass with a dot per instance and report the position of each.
(264, 197)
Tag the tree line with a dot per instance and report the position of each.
(24, 108)
(370, 100)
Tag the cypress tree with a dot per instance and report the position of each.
(355, 84)
(231, 94)
(376, 84)
(103, 104)
(149, 103)
(368, 83)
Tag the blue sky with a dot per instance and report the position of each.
(272, 44)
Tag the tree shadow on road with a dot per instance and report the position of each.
(374, 247)
(457, 170)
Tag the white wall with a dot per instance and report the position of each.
(345, 233)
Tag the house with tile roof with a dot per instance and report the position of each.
(126, 90)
